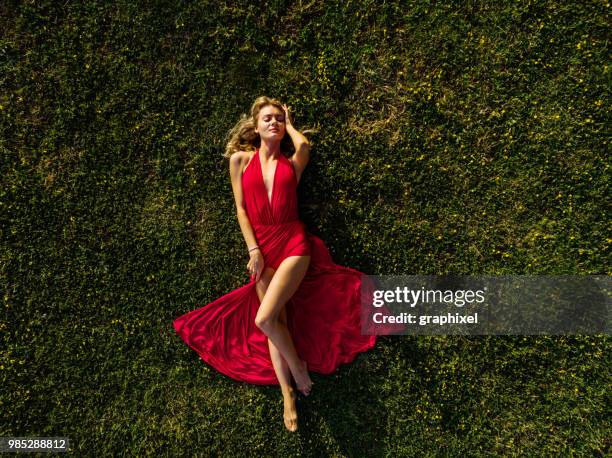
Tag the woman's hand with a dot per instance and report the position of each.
(256, 264)
(287, 116)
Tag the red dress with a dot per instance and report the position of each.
(323, 315)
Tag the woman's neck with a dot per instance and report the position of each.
(269, 151)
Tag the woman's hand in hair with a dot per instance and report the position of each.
(287, 115)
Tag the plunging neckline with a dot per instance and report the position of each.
(271, 198)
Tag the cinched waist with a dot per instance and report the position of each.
(277, 224)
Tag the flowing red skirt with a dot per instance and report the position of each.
(323, 317)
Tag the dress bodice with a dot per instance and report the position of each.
(282, 207)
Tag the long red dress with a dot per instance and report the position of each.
(323, 315)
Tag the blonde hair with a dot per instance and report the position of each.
(242, 137)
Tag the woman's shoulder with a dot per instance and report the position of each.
(242, 158)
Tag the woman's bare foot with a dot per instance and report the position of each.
(302, 379)
(290, 414)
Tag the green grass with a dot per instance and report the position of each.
(454, 137)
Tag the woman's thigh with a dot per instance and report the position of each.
(264, 280)
(283, 283)
(262, 286)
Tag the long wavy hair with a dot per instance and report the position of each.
(242, 137)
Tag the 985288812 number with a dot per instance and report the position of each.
(34, 444)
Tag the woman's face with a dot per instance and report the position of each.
(271, 123)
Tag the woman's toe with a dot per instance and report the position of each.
(291, 424)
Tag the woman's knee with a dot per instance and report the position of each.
(265, 321)
(261, 322)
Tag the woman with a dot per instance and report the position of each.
(300, 311)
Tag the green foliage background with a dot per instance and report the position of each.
(454, 137)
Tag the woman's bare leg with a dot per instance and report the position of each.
(289, 395)
(284, 283)
(280, 365)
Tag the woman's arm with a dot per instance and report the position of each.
(255, 264)
(302, 148)
(236, 176)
